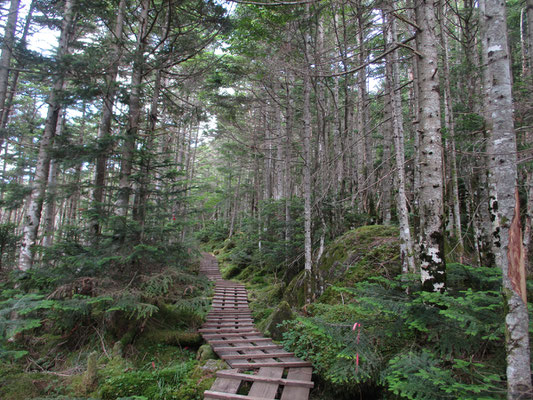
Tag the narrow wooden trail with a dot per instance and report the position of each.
(271, 372)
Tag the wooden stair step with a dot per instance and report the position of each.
(253, 378)
(208, 394)
(284, 364)
(228, 330)
(244, 348)
(208, 336)
(256, 340)
(255, 356)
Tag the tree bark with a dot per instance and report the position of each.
(5, 58)
(134, 117)
(504, 204)
(306, 142)
(35, 201)
(406, 242)
(104, 128)
(432, 263)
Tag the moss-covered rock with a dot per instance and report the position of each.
(270, 325)
(295, 292)
(205, 352)
(372, 250)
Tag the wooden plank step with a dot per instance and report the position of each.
(284, 364)
(255, 356)
(266, 389)
(297, 392)
(208, 394)
(228, 319)
(242, 331)
(243, 348)
(208, 336)
(235, 325)
(256, 340)
(229, 374)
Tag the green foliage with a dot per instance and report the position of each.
(457, 337)
(422, 376)
(151, 383)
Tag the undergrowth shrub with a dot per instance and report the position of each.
(410, 343)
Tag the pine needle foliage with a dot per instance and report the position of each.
(413, 344)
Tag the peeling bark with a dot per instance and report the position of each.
(503, 190)
(432, 263)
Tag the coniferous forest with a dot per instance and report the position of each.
(364, 167)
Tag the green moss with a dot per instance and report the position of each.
(361, 253)
(173, 337)
(231, 271)
(270, 325)
(205, 352)
(295, 292)
(16, 384)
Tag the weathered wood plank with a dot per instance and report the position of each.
(297, 392)
(251, 378)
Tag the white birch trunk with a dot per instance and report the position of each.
(432, 264)
(504, 203)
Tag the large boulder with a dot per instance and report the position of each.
(270, 325)
(372, 250)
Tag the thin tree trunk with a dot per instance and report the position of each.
(50, 209)
(134, 117)
(432, 263)
(504, 201)
(35, 201)
(406, 242)
(449, 120)
(5, 58)
(104, 128)
(306, 145)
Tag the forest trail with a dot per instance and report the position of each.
(230, 331)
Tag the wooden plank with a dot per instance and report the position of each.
(259, 364)
(251, 378)
(226, 385)
(242, 331)
(209, 394)
(266, 389)
(297, 392)
(254, 340)
(260, 347)
(248, 356)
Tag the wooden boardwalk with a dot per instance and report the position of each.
(260, 369)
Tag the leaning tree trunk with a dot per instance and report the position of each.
(35, 201)
(5, 57)
(504, 202)
(432, 263)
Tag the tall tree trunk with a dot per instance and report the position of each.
(50, 209)
(306, 144)
(35, 201)
(15, 75)
(104, 128)
(503, 188)
(134, 116)
(432, 263)
(5, 58)
(449, 120)
(406, 242)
